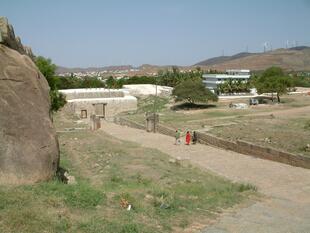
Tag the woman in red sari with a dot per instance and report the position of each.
(188, 138)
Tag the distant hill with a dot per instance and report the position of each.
(222, 59)
(297, 58)
(61, 69)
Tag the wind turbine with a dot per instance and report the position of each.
(265, 45)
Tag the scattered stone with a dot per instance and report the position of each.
(307, 147)
(148, 197)
(172, 160)
(79, 121)
(164, 206)
(267, 140)
(70, 179)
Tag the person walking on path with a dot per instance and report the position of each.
(194, 139)
(188, 138)
(177, 137)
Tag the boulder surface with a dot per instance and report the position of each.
(29, 149)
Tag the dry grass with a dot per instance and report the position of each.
(165, 197)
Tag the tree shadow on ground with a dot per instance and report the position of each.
(192, 106)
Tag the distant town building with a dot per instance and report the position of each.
(213, 80)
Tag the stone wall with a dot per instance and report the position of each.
(248, 148)
(165, 130)
(239, 146)
(89, 93)
(129, 123)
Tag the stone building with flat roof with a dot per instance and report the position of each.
(105, 103)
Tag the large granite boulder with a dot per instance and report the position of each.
(7, 37)
(29, 149)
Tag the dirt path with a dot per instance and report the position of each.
(286, 209)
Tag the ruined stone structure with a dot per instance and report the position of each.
(104, 103)
(29, 149)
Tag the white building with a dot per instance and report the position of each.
(213, 80)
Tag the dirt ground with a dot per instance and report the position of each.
(287, 189)
(284, 126)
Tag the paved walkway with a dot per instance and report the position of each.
(286, 209)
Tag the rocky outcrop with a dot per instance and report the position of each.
(7, 37)
(28, 144)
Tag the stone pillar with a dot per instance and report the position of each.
(152, 120)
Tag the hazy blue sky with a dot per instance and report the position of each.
(182, 32)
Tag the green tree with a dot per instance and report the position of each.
(273, 80)
(174, 76)
(114, 83)
(47, 68)
(58, 100)
(91, 82)
(193, 91)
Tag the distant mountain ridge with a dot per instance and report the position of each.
(222, 59)
(296, 58)
(61, 69)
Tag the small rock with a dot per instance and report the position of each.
(148, 197)
(172, 160)
(267, 140)
(70, 179)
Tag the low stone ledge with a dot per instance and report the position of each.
(238, 146)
